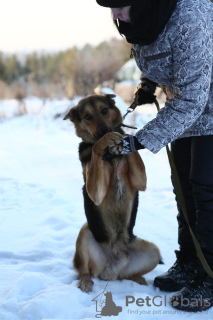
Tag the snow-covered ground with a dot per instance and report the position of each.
(41, 213)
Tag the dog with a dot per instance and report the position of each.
(106, 247)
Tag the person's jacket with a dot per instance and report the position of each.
(180, 60)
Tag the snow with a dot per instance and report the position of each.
(41, 213)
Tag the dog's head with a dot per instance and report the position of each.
(94, 116)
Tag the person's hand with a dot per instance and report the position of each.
(127, 145)
(145, 92)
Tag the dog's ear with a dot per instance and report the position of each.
(110, 99)
(71, 115)
(110, 95)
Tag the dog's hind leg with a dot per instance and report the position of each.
(138, 279)
(89, 259)
(144, 256)
(81, 261)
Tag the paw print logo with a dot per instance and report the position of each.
(174, 301)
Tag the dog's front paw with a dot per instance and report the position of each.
(113, 139)
(85, 284)
(116, 150)
(110, 152)
(110, 139)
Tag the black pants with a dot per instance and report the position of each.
(193, 158)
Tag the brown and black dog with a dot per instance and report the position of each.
(106, 247)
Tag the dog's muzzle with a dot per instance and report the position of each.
(103, 131)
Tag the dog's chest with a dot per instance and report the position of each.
(117, 206)
(118, 185)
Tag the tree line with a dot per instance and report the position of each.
(76, 71)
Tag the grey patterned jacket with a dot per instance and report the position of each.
(181, 61)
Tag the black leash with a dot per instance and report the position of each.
(129, 110)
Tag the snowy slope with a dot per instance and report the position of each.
(41, 213)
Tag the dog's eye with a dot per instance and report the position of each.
(88, 117)
(104, 111)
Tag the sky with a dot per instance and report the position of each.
(27, 25)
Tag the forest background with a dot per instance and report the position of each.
(75, 71)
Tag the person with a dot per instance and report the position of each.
(172, 43)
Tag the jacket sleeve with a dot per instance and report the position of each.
(192, 68)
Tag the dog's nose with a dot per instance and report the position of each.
(105, 129)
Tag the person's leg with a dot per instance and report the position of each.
(181, 153)
(183, 270)
(201, 179)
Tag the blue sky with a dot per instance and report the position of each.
(27, 25)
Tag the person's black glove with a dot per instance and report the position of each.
(145, 92)
(127, 145)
